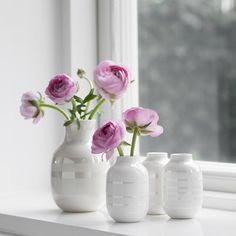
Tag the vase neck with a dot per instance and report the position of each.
(129, 160)
(82, 134)
(157, 156)
(181, 157)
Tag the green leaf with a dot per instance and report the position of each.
(90, 93)
(78, 99)
(145, 126)
(129, 129)
(99, 97)
(34, 103)
(90, 96)
(69, 122)
(81, 105)
(139, 132)
(125, 143)
(84, 115)
(81, 108)
(132, 125)
(72, 112)
(146, 131)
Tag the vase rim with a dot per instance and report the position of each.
(128, 156)
(157, 156)
(181, 157)
(74, 123)
(129, 159)
(85, 121)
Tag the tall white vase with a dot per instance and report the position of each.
(183, 188)
(154, 164)
(127, 190)
(78, 178)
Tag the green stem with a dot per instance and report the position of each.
(86, 109)
(120, 150)
(135, 134)
(96, 108)
(74, 108)
(57, 109)
(91, 87)
(89, 82)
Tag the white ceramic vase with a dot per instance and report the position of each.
(78, 179)
(127, 190)
(183, 188)
(154, 164)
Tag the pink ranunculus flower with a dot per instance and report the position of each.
(108, 137)
(144, 118)
(111, 80)
(29, 108)
(61, 89)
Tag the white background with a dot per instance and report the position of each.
(38, 39)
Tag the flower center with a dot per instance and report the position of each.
(108, 130)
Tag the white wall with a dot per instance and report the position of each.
(36, 42)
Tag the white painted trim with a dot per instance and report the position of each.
(79, 26)
(219, 176)
(117, 41)
(219, 200)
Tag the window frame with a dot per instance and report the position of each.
(79, 40)
(118, 41)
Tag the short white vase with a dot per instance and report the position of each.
(154, 164)
(127, 190)
(78, 179)
(183, 187)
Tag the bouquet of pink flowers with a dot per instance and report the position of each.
(136, 120)
(110, 81)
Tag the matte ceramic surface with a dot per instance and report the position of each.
(182, 186)
(127, 190)
(154, 164)
(78, 178)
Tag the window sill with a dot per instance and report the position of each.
(28, 214)
(220, 200)
(219, 176)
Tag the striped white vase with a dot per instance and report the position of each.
(78, 178)
(154, 164)
(183, 190)
(127, 190)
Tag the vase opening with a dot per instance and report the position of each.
(157, 156)
(181, 157)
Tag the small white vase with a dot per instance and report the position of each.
(154, 164)
(78, 179)
(127, 190)
(183, 188)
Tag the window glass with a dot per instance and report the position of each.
(187, 73)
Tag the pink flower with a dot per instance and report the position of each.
(108, 137)
(111, 80)
(143, 118)
(61, 89)
(30, 108)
